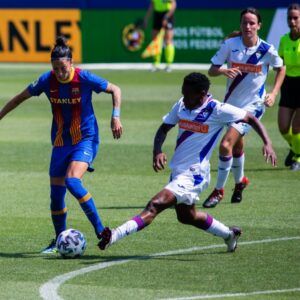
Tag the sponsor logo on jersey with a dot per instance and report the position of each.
(65, 100)
(193, 126)
(247, 68)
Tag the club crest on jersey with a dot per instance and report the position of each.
(75, 91)
(204, 113)
(258, 54)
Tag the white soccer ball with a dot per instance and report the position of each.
(71, 243)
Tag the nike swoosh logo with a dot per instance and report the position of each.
(52, 91)
(236, 50)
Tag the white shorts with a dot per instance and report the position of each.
(187, 185)
(244, 128)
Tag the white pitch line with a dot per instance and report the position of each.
(216, 296)
(48, 290)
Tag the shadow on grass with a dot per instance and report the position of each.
(20, 255)
(267, 169)
(94, 259)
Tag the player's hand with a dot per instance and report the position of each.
(269, 154)
(116, 127)
(159, 161)
(165, 23)
(232, 72)
(270, 99)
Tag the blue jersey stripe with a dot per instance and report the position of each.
(208, 146)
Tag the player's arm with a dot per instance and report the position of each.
(14, 102)
(169, 14)
(160, 158)
(268, 151)
(116, 126)
(217, 70)
(279, 77)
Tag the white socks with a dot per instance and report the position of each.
(238, 168)
(219, 229)
(125, 229)
(225, 163)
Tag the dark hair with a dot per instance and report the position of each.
(61, 49)
(233, 34)
(253, 11)
(197, 82)
(294, 6)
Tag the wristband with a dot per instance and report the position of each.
(116, 112)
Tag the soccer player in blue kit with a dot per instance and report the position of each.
(74, 132)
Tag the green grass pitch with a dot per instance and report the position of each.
(121, 185)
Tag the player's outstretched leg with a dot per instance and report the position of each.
(108, 237)
(105, 238)
(164, 199)
(188, 214)
(231, 241)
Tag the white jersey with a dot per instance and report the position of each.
(199, 131)
(247, 89)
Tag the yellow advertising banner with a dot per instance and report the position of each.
(28, 35)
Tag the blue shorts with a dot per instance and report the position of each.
(61, 157)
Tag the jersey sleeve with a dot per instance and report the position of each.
(172, 116)
(222, 54)
(275, 60)
(39, 86)
(97, 83)
(228, 113)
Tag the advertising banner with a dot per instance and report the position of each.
(111, 35)
(29, 35)
(108, 36)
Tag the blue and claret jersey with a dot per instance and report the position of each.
(71, 101)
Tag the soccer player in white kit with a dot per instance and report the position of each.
(248, 60)
(200, 119)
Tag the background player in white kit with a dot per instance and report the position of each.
(200, 119)
(248, 60)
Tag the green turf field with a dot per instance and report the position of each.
(267, 260)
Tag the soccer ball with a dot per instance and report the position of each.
(71, 243)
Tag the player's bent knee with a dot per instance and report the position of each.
(72, 184)
(155, 206)
(225, 146)
(185, 218)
